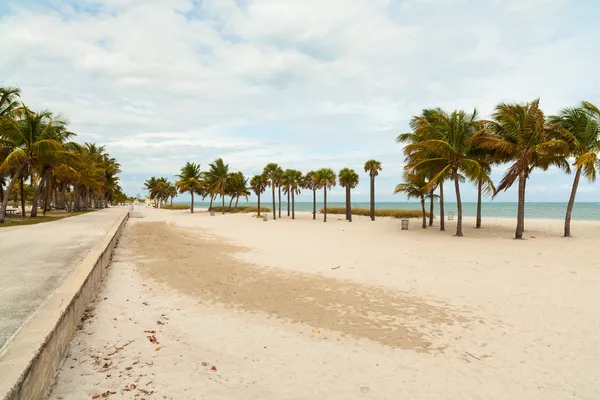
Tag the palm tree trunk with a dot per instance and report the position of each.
(192, 192)
(211, 201)
(22, 189)
(8, 191)
(431, 208)
(372, 210)
(1, 192)
(293, 206)
(478, 222)
(258, 204)
(458, 204)
(521, 207)
(274, 209)
(288, 202)
(279, 187)
(347, 203)
(11, 184)
(325, 204)
(230, 203)
(47, 194)
(223, 200)
(38, 193)
(314, 204)
(237, 198)
(64, 196)
(571, 203)
(479, 189)
(442, 217)
(349, 207)
(424, 225)
(171, 202)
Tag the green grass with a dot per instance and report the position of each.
(40, 219)
(248, 209)
(378, 212)
(176, 207)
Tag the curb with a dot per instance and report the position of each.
(29, 364)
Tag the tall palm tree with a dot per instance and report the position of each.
(413, 188)
(258, 184)
(32, 140)
(217, 175)
(327, 179)
(428, 119)
(271, 173)
(278, 180)
(447, 141)
(238, 187)
(520, 134)
(190, 180)
(348, 179)
(285, 185)
(583, 123)
(293, 180)
(312, 182)
(373, 167)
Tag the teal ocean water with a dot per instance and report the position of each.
(581, 211)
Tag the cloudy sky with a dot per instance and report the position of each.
(306, 84)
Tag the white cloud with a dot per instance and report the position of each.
(306, 84)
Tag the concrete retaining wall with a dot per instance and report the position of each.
(30, 362)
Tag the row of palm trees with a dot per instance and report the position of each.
(218, 182)
(459, 146)
(38, 146)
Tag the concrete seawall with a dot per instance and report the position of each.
(30, 361)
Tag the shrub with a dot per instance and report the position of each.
(247, 209)
(378, 212)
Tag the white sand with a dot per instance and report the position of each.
(300, 309)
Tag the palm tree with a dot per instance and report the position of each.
(217, 175)
(583, 123)
(327, 180)
(312, 182)
(445, 149)
(238, 187)
(32, 140)
(9, 100)
(294, 181)
(285, 184)
(271, 174)
(190, 180)
(520, 133)
(278, 180)
(348, 179)
(258, 183)
(428, 119)
(413, 188)
(373, 167)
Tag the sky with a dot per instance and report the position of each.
(306, 84)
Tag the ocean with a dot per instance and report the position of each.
(581, 211)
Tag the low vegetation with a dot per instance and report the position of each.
(378, 212)
(237, 210)
(49, 217)
(176, 207)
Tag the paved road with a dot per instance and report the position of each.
(35, 260)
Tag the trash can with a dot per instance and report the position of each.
(264, 217)
(450, 216)
(212, 213)
(404, 224)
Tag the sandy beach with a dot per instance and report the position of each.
(227, 307)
